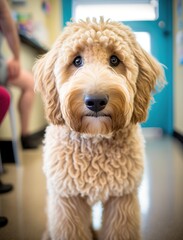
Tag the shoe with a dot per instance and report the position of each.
(4, 188)
(3, 221)
(28, 143)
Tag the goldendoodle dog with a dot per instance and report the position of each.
(96, 83)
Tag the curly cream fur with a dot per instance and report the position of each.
(88, 158)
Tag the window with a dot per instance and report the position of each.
(118, 10)
(144, 40)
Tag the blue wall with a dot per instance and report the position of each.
(66, 11)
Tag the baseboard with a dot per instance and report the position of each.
(178, 136)
(152, 133)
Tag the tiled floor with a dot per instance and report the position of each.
(161, 194)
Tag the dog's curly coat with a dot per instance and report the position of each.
(92, 155)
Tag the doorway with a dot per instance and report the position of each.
(157, 39)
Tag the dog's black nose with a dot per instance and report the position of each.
(96, 103)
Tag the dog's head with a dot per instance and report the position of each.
(96, 78)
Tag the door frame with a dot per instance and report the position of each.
(166, 16)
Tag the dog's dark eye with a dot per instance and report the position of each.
(78, 61)
(114, 61)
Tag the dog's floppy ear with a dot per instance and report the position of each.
(45, 84)
(150, 74)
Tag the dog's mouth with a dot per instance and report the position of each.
(96, 123)
(98, 115)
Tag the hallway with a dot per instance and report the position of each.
(161, 194)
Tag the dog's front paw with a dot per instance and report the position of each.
(119, 234)
(70, 232)
(46, 235)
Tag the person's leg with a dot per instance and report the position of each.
(26, 84)
(4, 105)
(4, 101)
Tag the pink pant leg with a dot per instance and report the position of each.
(4, 102)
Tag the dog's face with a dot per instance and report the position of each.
(96, 79)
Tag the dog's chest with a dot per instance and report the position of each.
(95, 168)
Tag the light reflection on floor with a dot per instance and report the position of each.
(160, 195)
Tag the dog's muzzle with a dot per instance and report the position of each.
(96, 103)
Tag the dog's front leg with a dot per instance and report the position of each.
(69, 218)
(121, 219)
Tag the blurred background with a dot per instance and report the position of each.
(158, 26)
